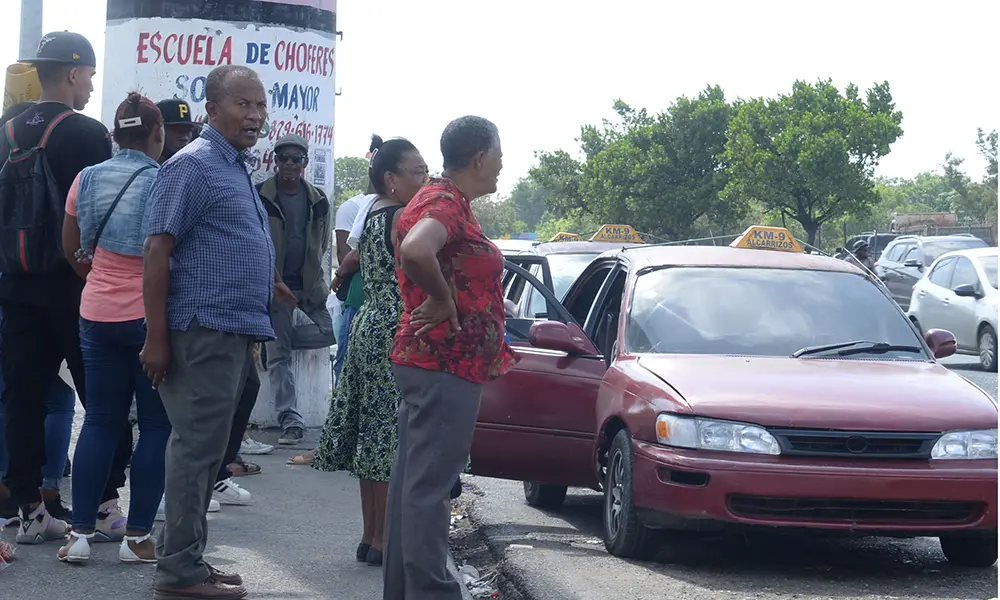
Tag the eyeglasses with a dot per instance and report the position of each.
(294, 158)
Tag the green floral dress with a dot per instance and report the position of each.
(360, 432)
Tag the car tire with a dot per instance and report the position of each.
(624, 535)
(544, 496)
(978, 550)
(987, 348)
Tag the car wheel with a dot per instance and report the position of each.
(544, 496)
(987, 348)
(978, 550)
(624, 535)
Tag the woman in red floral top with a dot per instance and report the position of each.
(449, 342)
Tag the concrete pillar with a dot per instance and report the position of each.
(31, 27)
(166, 49)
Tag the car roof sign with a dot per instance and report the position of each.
(616, 233)
(761, 237)
(563, 236)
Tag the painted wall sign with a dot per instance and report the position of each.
(170, 58)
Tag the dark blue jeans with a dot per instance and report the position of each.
(60, 403)
(114, 374)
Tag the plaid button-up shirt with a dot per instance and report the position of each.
(222, 267)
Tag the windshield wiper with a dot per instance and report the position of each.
(856, 347)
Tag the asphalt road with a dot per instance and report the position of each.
(558, 554)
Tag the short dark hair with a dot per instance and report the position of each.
(464, 138)
(386, 158)
(135, 136)
(50, 74)
(215, 83)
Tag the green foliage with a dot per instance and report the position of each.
(659, 173)
(574, 220)
(811, 155)
(350, 178)
(497, 217)
(528, 198)
(975, 202)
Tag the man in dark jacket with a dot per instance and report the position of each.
(299, 215)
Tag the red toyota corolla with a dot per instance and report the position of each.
(706, 388)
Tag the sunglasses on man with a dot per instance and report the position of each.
(293, 158)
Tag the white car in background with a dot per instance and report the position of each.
(959, 293)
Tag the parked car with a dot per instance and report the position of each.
(707, 388)
(907, 257)
(876, 241)
(959, 294)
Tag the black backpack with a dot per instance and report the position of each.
(31, 208)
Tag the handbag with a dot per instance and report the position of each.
(88, 255)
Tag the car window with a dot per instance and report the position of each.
(989, 264)
(965, 273)
(582, 295)
(935, 248)
(941, 275)
(892, 253)
(565, 268)
(760, 312)
(911, 252)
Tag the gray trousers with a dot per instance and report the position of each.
(288, 337)
(435, 425)
(207, 372)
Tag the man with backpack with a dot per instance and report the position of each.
(43, 150)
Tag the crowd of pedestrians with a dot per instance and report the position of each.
(163, 277)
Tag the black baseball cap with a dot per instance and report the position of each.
(175, 112)
(64, 47)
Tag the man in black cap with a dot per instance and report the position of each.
(180, 128)
(42, 309)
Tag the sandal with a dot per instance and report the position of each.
(77, 548)
(242, 468)
(302, 460)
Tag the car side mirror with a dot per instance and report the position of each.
(912, 262)
(564, 337)
(967, 290)
(941, 342)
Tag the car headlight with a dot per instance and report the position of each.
(966, 444)
(708, 434)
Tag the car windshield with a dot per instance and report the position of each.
(761, 312)
(565, 268)
(989, 264)
(935, 248)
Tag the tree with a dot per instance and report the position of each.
(810, 155)
(659, 173)
(350, 178)
(496, 217)
(528, 199)
(975, 202)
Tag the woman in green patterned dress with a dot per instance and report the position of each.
(360, 432)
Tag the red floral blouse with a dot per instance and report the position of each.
(474, 266)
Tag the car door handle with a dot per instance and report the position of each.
(921, 294)
(946, 301)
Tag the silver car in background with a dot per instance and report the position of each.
(959, 293)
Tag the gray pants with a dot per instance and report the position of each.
(435, 424)
(288, 336)
(206, 376)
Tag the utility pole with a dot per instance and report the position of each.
(31, 27)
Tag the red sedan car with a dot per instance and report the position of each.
(706, 388)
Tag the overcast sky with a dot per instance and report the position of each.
(542, 68)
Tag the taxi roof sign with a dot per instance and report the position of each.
(617, 233)
(563, 236)
(761, 237)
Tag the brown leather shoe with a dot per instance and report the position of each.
(226, 578)
(210, 589)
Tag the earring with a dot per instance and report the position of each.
(393, 192)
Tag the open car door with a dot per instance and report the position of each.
(537, 423)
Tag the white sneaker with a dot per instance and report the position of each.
(40, 526)
(161, 511)
(110, 522)
(253, 447)
(229, 492)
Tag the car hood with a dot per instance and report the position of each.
(826, 393)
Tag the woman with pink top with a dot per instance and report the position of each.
(103, 234)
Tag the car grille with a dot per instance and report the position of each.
(854, 511)
(861, 444)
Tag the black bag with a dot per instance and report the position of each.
(31, 208)
(345, 286)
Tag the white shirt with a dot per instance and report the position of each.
(348, 212)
